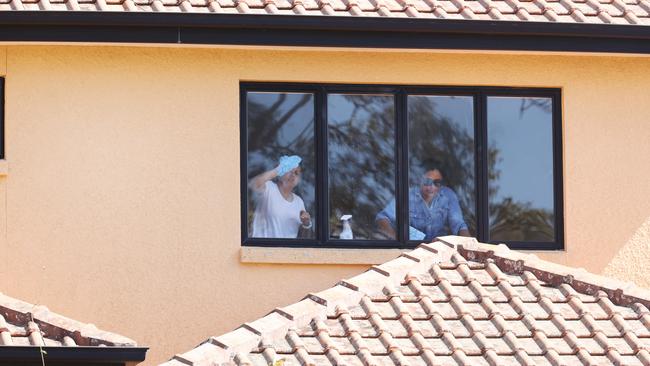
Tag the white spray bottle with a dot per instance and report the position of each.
(346, 233)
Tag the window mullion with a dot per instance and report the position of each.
(322, 191)
(401, 148)
(482, 210)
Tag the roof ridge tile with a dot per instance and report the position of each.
(302, 312)
(84, 334)
(621, 293)
(339, 294)
(238, 340)
(207, 351)
(179, 359)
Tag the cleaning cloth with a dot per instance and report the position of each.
(287, 163)
(415, 234)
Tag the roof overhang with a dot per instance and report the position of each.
(56, 355)
(319, 31)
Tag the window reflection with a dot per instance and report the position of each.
(520, 169)
(442, 194)
(361, 152)
(281, 165)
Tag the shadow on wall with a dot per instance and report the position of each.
(632, 262)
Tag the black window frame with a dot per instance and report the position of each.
(480, 96)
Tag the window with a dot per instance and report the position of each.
(520, 176)
(279, 124)
(361, 161)
(355, 166)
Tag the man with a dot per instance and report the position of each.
(432, 208)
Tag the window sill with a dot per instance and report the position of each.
(4, 168)
(317, 255)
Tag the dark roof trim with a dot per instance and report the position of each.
(319, 31)
(71, 355)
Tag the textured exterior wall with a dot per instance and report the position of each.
(121, 204)
(632, 262)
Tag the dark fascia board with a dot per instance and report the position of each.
(71, 355)
(319, 31)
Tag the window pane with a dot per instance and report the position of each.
(361, 150)
(520, 169)
(280, 124)
(442, 189)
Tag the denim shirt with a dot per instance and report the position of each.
(431, 220)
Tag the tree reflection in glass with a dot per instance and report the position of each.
(361, 152)
(281, 124)
(520, 170)
(441, 136)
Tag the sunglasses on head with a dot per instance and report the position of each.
(432, 182)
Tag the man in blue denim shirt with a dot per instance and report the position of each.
(432, 209)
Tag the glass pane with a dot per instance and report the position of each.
(442, 189)
(520, 169)
(361, 149)
(281, 190)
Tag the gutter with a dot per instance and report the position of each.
(77, 355)
(319, 31)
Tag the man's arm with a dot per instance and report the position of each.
(386, 228)
(456, 221)
(385, 218)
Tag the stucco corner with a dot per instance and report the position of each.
(632, 262)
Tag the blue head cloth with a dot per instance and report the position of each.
(288, 163)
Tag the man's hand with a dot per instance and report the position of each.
(305, 218)
(384, 226)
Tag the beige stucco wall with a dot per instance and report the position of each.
(121, 201)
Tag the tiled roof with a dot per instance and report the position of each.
(452, 302)
(562, 11)
(24, 324)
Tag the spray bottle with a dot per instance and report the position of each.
(347, 230)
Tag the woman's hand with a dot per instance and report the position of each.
(305, 219)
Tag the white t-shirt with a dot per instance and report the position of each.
(275, 217)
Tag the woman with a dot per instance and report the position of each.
(279, 213)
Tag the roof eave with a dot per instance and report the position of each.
(71, 355)
(320, 31)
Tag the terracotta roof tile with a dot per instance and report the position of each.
(453, 302)
(24, 324)
(567, 11)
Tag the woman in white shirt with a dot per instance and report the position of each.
(279, 213)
